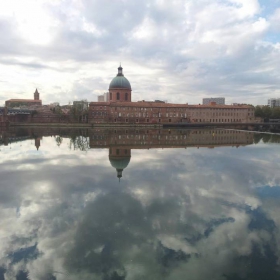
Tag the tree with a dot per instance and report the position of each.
(79, 143)
(275, 114)
(258, 112)
(58, 140)
(266, 112)
(79, 110)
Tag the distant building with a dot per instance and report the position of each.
(100, 98)
(273, 102)
(104, 97)
(54, 104)
(25, 102)
(218, 100)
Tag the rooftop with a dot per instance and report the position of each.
(24, 100)
(163, 105)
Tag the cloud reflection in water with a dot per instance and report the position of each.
(201, 213)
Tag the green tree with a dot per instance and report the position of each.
(275, 114)
(258, 112)
(80, 110)
(79, 143)
(266, 112)
(58, 140)
(257, 137)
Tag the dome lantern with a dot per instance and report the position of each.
(120, 73)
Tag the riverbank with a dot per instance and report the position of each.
(84, 125)
(145, 125)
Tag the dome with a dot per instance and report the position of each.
(120, 81)
(119, 163)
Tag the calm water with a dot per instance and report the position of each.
(139, 204)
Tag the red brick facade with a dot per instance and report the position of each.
(119, 95)
(158, 113)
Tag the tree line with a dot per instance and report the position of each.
(267, 112)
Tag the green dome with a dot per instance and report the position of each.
(120, 81)
(119, 163)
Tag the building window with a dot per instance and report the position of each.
(148, 120)
(118, 151)
(110, 95)
(126, 120)
(126, 96)
(115, 120)
(137, 120)
(159, 120)
(118, 96)
(169, 120)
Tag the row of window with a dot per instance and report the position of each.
(222, 112)
(118, 96)
(99, 114)
(218, 120)
(123, 108)
(195, 120)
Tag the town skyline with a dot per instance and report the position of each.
(173, 51)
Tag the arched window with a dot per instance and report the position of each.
(118, 96)
(110, 95)
(126, 96)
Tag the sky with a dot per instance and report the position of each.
(174, 50)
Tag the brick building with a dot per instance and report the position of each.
(120, 109)
(25, 102)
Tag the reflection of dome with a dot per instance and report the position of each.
(119, 159)
(119, 163)
(120, 81)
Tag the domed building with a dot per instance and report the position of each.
(119, 159)
(116, 108)
(120, 88)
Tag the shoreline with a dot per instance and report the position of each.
(119, 125)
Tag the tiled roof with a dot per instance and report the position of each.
(164, 105)
(23, 100)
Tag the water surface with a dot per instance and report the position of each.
(139, 204)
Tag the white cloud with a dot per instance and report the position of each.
(197, 48)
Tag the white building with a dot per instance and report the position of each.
(218, 100)
(104, 97)
(273, 102)
(100, 98)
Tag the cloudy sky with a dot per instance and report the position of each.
(175, 50)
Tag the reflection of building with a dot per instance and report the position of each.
(119, 159)
(120, 109)
(120, 142)
(25, 102)
(164, 138)
(37, 143)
